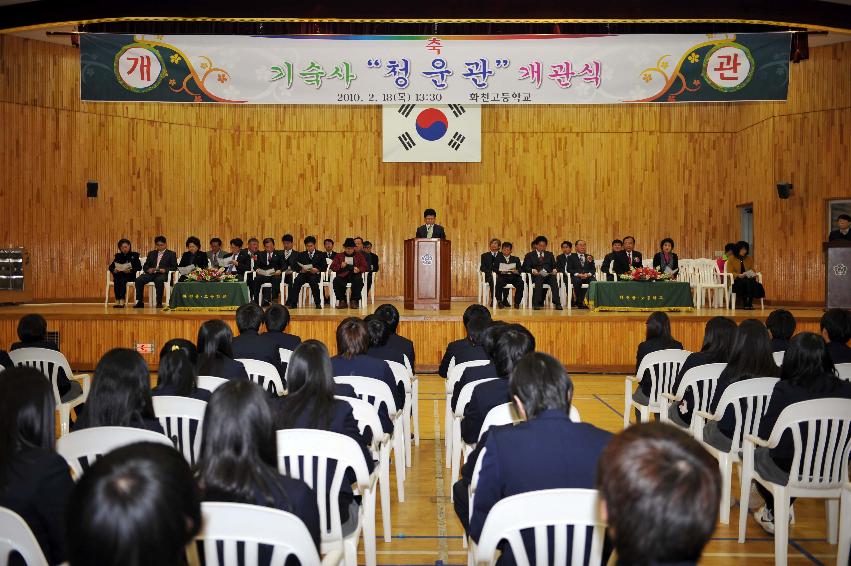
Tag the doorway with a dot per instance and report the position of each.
(746, 224)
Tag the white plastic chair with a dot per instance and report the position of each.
(15, 535)
(540, 510)
(82, 447)
(265, 375)
(702, 381)
(453, 376)
(457, 442)
(370, 295)
(842, 370)
(663, 365)
(548, 291)
(305, 454)
(210, 382)
(567, 287)
(711, 282)
(49, 362)
(236, 525)
(400, 373)
(177, 415)
(366, 416)
(843, 551)
(778, 357)
(749, 400)
(363, 301)
(376, 392)
(484, 289)
(732, 297)
(819, 465)
(415, 398)
(511, 289)
(325, 285)
(110, 282)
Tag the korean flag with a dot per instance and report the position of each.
(430, 133)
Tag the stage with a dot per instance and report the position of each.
(584, 341)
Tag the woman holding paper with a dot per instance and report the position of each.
(666, 260)
(745, 283)
(193, 257)
(349, 267)
(124, 267)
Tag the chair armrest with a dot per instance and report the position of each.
(757, 440)
(85, 382)
(633, 378)
(670, 397)
(707, 416)
(332, 558)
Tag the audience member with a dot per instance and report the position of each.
(666, 260)
(136, 505)
(835, 327)
(390, 314)
(466, 349)
(508, 275)
(745, 284)
(540, 264)
(124, 267)
(32, 333)
(215, 352)
(157, 269)
(276, 319)
(252, 345)
(781, 326)
(176, 374)
(657, 337)
(35, 481)
(660, 493)
(488, 337)
(379, 332)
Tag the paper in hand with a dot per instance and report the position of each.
(123, 267)
(503, 267)
(350, 260)
(186, 270)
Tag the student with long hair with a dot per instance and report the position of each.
(750, 357)
(238, 461)
(379, 333)
(34, 480)
(469, 347)
(311, 404)
(215, 353)
(807, 373)
(657, 337)
(390, 314)
(176, 375)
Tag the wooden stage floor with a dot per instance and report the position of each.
(582, 340)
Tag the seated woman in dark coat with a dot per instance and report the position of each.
(745, 284)
(192, 257)
(666, 260)
(215, 353)
(123, 268)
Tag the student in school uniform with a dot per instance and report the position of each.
(215, 352)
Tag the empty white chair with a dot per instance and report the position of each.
(484, 289)
(82, 447)
(663, 366)
(843, 370)
(264, 374)
(305, 454)
(453, 376)
(457, 442)
(370, 294)
(778, 357)
(702, 381)
(540, 510)
(110, 282)
(843, 551)
(240, 527)
(749, 400)
(182, 419)
(15, 535)
(711, 282)
(49, 362)
(400, 374)
(415, 398)
(819, 465)
(210, 382)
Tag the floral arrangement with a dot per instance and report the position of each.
(211, 275)
(645, 274)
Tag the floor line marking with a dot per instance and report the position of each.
(604, 402)
(443, 547)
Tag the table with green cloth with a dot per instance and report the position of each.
(205, 296)
(640, 296)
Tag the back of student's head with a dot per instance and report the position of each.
(238, 444)
(32, 328)
(475, 311)
(490, 334)
(836, 323)
(27, 415)
(658, 326)
(214, 339)
(249, 317)
(121, 390)
(718, 336)
(310, 380)
(476, 328)
(136, 505)
(661, 492)
(390, 314)
(541, 383)
(807, 363)
(177, 371)
(277, 318)
(378, 330)
(181, 345)
(352, 337)
(751, 353)
(513, 343)
(781, 324)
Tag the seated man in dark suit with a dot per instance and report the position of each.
(508, 275)
(466, 349)
(580, 268)
(540, 264)
(267, 269)
(513, 343)
(371, 261)
(310, 264)
(216, 255)
(633, 258)
(390, 314)
(430, 229)
(237, 261)
(488, 260)
(613, 262)
(561, 259)
(289, 266)
(843, 230)
(661, 491)
(329, 257)
(157, 267)
(246, 261)
(250, 343)
(836, 329)
(545, 451)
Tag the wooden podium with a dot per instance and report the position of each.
(428, 273)
(837, 274)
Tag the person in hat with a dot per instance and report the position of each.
(348, 267)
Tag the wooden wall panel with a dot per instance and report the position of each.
(595, 172)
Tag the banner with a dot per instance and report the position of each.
(396, 70)
(433, 134)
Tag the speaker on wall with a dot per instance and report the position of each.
(92, 189)
(784, 190)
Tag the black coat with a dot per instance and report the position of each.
(574, 265)
(262, 261)
(404, 345)
(657, 261)
(437, 232)
(168, 261)
(365, 366)
(485, 397)
(198, 259)
(839, 353)
(132, 258)
(463, 351)
(532, 261)
(488, 259)
(318, 261)
(837, 235)
(253, 346)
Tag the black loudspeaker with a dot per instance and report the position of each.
(784, 190)
(92, 189)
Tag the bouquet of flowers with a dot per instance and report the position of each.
(211, 275)
(645, 274)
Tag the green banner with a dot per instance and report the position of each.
(640, 296)
(201, 295)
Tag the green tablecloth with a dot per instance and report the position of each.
(640, 296)
(192, 295)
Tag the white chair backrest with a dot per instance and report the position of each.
(82, 447)
(844, 371)
(400, 373)
(663, 365)
(408, 363)
(466, 394)
(540, 510)
(504, 414)
(15, 535)
(372, 390)
(702, 381)
(450, 366)
(305, 454)
(241, 529)
(821, 433)
(210, 382)
(264, 374)
(182, 420)
(366, 416)
(456, 372)
(778, 357)
(749, 399)
(285, 355)
(48, 362)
